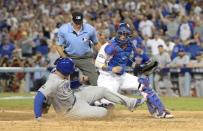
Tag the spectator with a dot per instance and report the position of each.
(154, 42)
(4, 77)
(192, 48)
(146, 26)
(6, 48)
(185, 29)
(74, 39)
(39, 77)
(184, 79)
(197, 39)
(171, 25)
(162, 82)
(197, 8)
(198, 30)
(17, 78)
(136, 39)
(102, 37)
(27, 45)
(43, 48)
(188, 6)
(197, 83)
(178, 45)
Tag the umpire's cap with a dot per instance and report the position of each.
(77, 17)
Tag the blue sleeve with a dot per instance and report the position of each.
(93, 37)
(174, 52)
(109, 49)
(75, 84)
(60, 37)
(38, 103)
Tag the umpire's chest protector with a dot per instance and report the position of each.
(120, 54)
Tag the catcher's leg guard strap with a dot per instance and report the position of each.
(151, 108)
(153, 101)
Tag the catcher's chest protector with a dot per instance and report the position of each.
(121, 56)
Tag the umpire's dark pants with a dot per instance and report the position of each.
(85, 64)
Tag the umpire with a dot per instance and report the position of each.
(74, 40)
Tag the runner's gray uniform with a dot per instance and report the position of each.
(68, 103)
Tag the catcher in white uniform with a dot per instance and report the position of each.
(68, 103)
(112, 61)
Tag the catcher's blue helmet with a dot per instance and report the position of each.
(123, 29)
(65, 66)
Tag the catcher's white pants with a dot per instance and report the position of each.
(116, 82)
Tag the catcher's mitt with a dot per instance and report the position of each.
(148, 67)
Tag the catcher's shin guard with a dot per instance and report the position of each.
(153, 101)
(151, 108)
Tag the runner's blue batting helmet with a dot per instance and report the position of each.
(65, 66)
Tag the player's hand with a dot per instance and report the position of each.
(117, 69)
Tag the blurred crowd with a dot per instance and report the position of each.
(170, 27)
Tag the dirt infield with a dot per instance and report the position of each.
(121, 120)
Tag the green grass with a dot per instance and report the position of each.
(179, 104)
(176, 104)
(16, 103)
(184, 103)
(15, 94)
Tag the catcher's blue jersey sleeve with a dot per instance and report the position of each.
(38, 103)
(109, 49)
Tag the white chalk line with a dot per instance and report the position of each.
(16, 97)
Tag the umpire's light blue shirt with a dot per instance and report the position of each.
(76, 43)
